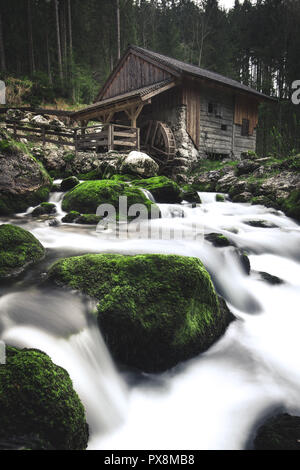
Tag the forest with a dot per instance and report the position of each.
(61, 51)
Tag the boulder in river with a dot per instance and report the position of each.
(37, 400)
(281, 432)
(154, 310)
(18, 250)
(163, 189)
(69, 183)
(88, 196)
(140, 164)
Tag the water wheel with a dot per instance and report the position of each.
(158, 139)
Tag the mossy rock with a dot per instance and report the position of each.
(218, 240)
(291, 205)
(87, 197)
(69, 183)
(154, 310)
(45, 208)
(70, 217)
(37, 398)
(87, 219)
(220, 198)
(18, 250)
(162, 189)
(189, 194)
(279, 433)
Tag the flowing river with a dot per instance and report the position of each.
(214, 401)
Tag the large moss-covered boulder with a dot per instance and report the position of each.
(37, 399)
(88, 196)
(291, 205)
(18, 250)
(23, 180)
(281, 432)
(154, 310)
(162, 189)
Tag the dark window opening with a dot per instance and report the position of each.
(223, 127)
(210, 108)
(245, 127)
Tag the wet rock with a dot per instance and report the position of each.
(71, 217)
(281, 432)
(273, 280)
(218, 240)
(37, 398)
(154, 310)
(260, 223)
(243, 197)
(69, 183)
(45, 208)
(54, 223)
(163, 189)
(19, 249)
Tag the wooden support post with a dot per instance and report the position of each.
(112, 127)
(15, 129)
(44, 136)
(109, 137)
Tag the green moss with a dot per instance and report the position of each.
(43, 209)
(162, 188)
(291, 205)
(154, 310)
(220, 198)
(18, 249)
(87, 197)
(87, 219)
(218, 240)
(71, 217)
(37, 397)
(69, 183)
(189, 194)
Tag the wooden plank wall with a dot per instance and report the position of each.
(246, 108)
(212, 138)
(135, 73)
(192, 99)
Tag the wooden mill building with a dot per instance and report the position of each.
(180, 108)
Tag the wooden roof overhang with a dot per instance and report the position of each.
(131, 103)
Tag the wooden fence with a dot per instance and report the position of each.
(96, 138)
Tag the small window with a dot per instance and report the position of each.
(245, 127)
(210, 108)
(218, 111)
(223, 127)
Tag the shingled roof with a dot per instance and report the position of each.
(184, 68)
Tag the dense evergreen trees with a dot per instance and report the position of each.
(68, 47)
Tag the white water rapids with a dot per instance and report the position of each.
(213, 401)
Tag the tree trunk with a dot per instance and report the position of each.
(48, 57)
(30, 39)
(119, 29)
(58, 42)
(2, 48)
(71, 50)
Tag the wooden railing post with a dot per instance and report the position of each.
(109, 138)
(15, 129)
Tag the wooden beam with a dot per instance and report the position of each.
(159, 90)
(133, 113)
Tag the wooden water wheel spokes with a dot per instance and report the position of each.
(159, 139)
